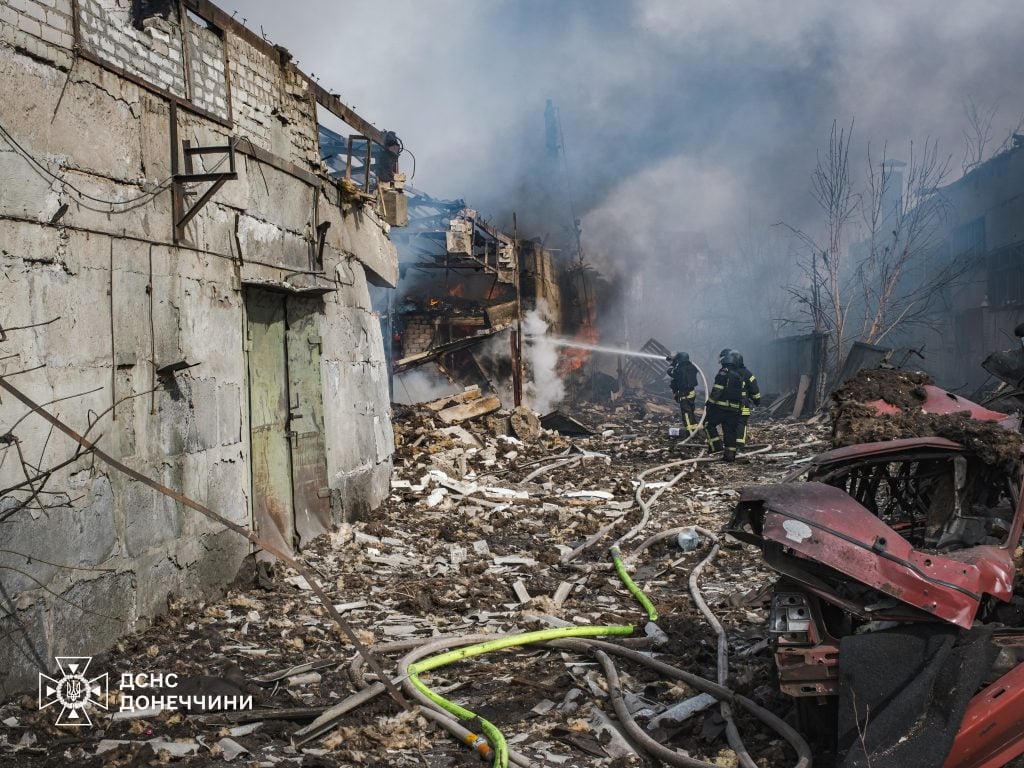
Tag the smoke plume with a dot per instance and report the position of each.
(685, 130)
(546, 388)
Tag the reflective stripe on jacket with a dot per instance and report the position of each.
(735, 388)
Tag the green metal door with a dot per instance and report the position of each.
(311, 498)
(273, 512)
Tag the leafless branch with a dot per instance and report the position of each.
(902, 241)
(977, 134)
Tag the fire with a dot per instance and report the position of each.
(573, 359)
(457, 290)
(433, 302)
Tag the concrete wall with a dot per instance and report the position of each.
(118, 299)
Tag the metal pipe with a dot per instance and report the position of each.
(113, 351)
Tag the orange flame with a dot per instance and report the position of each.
(573, 359)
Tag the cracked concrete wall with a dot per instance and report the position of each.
(116, 299)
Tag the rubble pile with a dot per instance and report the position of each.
(855, 419)
(904, 389)
(493, 525)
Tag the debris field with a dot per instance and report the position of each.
(494, 525)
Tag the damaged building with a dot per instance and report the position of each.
(974, 235)
(986, 227)
(186, 285)
(468, 295)
(222, 460)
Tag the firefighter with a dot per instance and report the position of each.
(752, 399)
(683, 381)
(734, 391)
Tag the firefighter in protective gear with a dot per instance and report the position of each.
(683, 381)
(747, 405)
(735, 390)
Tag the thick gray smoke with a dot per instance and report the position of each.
(689, 128)
(546, 388)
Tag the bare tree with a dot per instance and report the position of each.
(977, 134)
(903, 214)
(833, 191)
(893, 277)
(822, 297)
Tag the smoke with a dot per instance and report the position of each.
(687, 129)
(544, 388)
(746, 87)
(422, 385)
(495, 359)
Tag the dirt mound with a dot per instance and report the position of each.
(987, 440)
(853, 421)
(900, 388)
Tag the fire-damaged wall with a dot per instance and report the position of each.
(232, 356)
(466, 290)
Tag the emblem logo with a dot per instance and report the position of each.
(73, 690)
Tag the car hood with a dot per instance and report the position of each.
(823, 524)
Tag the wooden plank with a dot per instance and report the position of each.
(470, 410)
(470, 393)
(801, 395)
(522, 593)
(780, 401)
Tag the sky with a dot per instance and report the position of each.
(677, 116)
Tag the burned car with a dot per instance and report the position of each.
(895, 622)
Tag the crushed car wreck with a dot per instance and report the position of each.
(910, 538)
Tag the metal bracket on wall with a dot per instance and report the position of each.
(179, 192)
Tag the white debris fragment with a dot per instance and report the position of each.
(307, 678)
(231, 749)
(402, 630)
(456, 555)
(680, 712)
(522, 593)
(543, 707)
(562, 593)
(299, 581)
(494, 492)
(589, 495)
(514, 560)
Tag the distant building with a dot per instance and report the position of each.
(986, 225)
